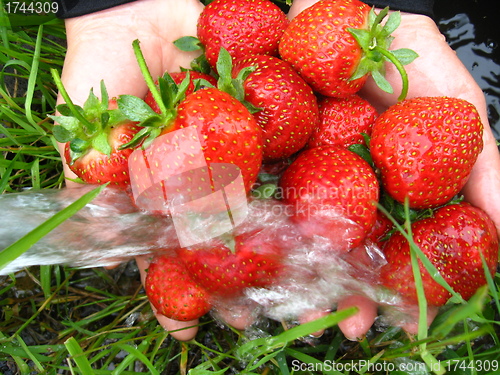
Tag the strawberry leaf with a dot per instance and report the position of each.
(364, 67)
(201, 83)
(224, 68)
(181, 89)
(392, 23)
(61, 134)
(64, 109)
(168, 90)
(362, 151)
(230, 85)
(153, 122)
(363, 37)
(104, 119)
(78, 146)
(151, 136)
(104, 97)
(92, 105)
(404, 55)
(201, 64)
(137, 139)
(115, 117)
(69, 123)
(268, 178)
(265, 191)
(188, 44)
(375, 25)
(382, 82)
(398, 211)
(101, 144)
(134, 108)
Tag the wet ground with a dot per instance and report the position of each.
(471, 29)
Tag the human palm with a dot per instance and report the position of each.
(100, 48)
(100, 45)
(436, 72)
(439, 72)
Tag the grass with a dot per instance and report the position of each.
(59, 320)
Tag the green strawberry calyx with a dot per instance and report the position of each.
(375, 41)
(224, 65)
(86, 127)
(168, 95)
(230, 85)
(191, 44)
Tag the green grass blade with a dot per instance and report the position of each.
(491, 283)
(78, 356)
(463, 311)
(32, 80)
(24, 243)
(135, 354)
(263, 346)
(6, 177)
(30, 355)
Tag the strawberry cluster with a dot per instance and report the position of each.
(279, 99)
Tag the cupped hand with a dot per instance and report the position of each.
(100, 48)
(436, 72)
(439, 72)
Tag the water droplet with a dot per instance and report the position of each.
(492, 44)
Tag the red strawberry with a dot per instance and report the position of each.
(425, 148)
(333, 47)
(255, 261)
(380, 229)
(228, 132)
(172, 291)
(225, 133)
(178, 77)
(93, 146)
(288, 107)
(334, 193)
(453, 240)
(342, 121)
(243, 27)
(218, 130)
(96, 167)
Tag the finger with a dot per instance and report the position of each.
(482, 187)
(356, 326)
(100, 45)
(236, 315)
(411, 324)
(298, 6)
(180, 330)
(312, 315)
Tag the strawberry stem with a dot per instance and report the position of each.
(375, 42)
(147, 76)
(67, 99)
(401, 69)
